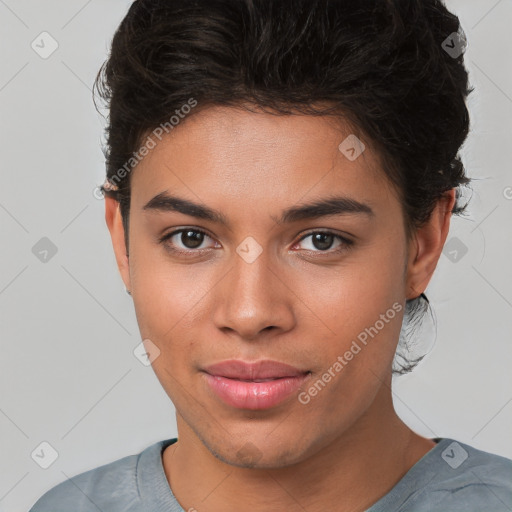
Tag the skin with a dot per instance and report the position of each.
(344, 449)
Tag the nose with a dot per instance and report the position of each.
(253, 299)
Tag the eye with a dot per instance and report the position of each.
(323, 241)
(187, 240)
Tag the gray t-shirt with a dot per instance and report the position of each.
(451, 477)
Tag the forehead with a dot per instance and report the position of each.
(224, 153)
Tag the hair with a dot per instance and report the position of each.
(378, 64)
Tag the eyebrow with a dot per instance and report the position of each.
(336, 205)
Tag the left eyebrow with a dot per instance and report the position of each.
(337, 205)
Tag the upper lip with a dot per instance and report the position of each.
(265, 369)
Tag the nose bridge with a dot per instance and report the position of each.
(252, 298)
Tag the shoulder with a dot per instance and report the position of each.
(464, 478)
(111, 487)
(484, 477)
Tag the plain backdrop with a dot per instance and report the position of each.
(68, 375)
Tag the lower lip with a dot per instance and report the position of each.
(254, 395)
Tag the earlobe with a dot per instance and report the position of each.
(115, 225)
(426, 246)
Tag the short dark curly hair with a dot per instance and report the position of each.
(382, 65)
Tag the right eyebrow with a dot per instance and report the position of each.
(164, 202)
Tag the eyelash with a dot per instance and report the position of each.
(346, 243)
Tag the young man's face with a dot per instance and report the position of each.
(258, 289)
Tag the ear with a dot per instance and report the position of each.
(114, 222)
(427, 244)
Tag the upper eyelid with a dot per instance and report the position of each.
(327, 231)
(186, 228)
(166, 237)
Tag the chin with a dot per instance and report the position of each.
(258, 451)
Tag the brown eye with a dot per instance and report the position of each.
(191, 239)
(186, 240)
(323, 241)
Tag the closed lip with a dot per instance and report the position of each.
(244, 370)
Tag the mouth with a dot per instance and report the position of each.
(266, 369)
(254, 386)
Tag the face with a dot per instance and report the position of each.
(253, 275)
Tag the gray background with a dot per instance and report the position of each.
(68, 375)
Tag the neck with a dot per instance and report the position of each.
(351, 473)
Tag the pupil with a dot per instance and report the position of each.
(319, 240)
(195, 239)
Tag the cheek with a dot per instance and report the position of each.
(352, 295)
(356, 358)
(362, 304)
(166, 295)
